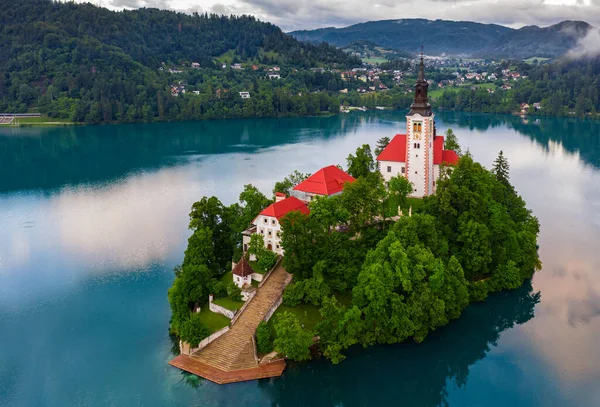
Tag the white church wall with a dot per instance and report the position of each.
(390, 169)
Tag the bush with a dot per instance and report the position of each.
(292, 339)
(266, 260)
(264, 342)
(193, 330)
(234, 292)
(293, 294)
(218, 289)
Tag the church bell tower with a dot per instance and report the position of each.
(420, 132)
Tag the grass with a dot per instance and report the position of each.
(227, 57)
(228, 303)
(41, 121)
(540, 59)
(212, 320)
(308, 314)
(391, 205)
(375, 60)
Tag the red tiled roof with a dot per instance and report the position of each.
(243, 268)
(327, 181)
(283, 207)
(395, 150)
(438, 150)
(449, 157)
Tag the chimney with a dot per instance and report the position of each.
(279, 196)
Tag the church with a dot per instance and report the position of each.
(418, 154)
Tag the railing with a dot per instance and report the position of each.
(20, 115)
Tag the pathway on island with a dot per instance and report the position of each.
(234, 350)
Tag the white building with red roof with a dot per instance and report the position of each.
(418, 154)
(328, 181)
(267, 223)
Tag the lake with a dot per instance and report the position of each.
(93, 220)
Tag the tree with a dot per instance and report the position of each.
(193, 330)
(501, 169)
(291, 338)
(264, 342)
(339, 329)
(289, 182)
(451, 142)
(382, 143)
(252, 203)
(361, 164)
(363, 200)
(210, 213)
(400, 187)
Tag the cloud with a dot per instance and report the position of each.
(308, 14)
(582, 311)
(587, 46)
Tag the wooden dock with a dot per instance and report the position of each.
(232, 356)
(195, 366)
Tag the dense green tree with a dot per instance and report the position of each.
(193, 330)
(361, 164)
(264, 342)
(382, 143)
(363, 200)
(400, 187)
(210, 213)
(289, 182)
(501, 169)
(339, 329)
(291, 338)
(451, 142)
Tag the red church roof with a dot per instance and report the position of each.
(396, 151)
(438, 150)
(285, 206)
(449, 157)
(243, 268)
(327, 181)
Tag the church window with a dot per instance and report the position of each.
(265, 220)
(273, 221)
(389, 168)
(415, 172)
(270, 233)
(403, 170)
(419, 127)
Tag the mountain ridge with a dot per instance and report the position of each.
(458, 38)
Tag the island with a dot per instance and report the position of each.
(389, 250)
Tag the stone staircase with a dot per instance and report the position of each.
(234, 350)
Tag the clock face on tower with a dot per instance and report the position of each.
(417, 128)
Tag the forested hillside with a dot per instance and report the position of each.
(91, 64)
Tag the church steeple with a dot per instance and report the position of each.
(421, 103)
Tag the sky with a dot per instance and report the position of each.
(310, 14)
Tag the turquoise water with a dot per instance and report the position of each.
(93, 220)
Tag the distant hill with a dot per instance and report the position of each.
(460, 38)
(548, 42)
(437, 37)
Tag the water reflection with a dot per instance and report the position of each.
(407, 374)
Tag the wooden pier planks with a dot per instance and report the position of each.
(192, 365)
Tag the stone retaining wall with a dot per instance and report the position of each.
(218, 309)
(185, 348)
